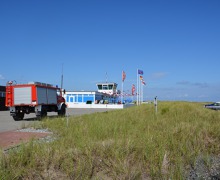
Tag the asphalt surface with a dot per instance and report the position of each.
(7, 122)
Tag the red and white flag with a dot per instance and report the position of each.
(123, 76)
(143, 82)
(132, 89)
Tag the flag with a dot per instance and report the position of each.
(143, 82)
(133, 89)
(123, 76)
(140, 72)
(141, 78)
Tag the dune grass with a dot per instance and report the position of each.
(133, 143)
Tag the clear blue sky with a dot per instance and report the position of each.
(176, 43)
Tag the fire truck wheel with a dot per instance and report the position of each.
(39, 117)
(62, 111)
(18, 116)
(42, 114)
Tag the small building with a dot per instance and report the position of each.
(107, 88)
(106, 94)
(87, 97)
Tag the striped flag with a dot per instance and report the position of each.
(143, 82)
(123, 76)
(141, 78)
(133, 89)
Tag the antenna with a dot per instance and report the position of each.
(106, 77)
(62, 78)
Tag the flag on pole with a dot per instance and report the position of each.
(143, 82)
(140, 72)
(141, 78)
(133, 89)
(123, 76)
(139, 94)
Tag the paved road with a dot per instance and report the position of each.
(7, 123)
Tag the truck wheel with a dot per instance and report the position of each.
(42, 114)
(18, 116)
(62, 111)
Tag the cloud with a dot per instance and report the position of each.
(196, 84)
(183, 83)
(200, 85)
(159, 75)
(186, 91)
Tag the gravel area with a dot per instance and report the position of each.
(205, 168)
(34, 130)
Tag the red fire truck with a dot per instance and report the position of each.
(34, 97)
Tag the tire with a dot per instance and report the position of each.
(18, 116)
(62, 111)
(42, 114)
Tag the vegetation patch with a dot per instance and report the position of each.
(133, 143)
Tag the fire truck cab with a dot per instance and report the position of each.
(34, 97)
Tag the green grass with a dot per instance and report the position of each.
(133, 143)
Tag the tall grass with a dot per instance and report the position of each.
(133, 143)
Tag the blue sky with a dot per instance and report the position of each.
(175, 43)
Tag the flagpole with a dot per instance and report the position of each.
(139, 94)
(139, 90)
(62, 78)
(122, 92)
(137, 98)
(122, 85)
(142, 92)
